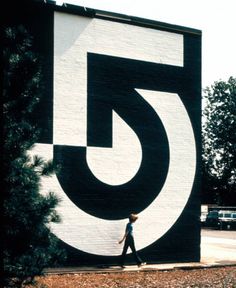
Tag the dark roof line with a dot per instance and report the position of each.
(112, 16)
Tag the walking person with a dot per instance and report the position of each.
(129, 242)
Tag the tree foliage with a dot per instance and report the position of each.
(219, 143)
(28, 245)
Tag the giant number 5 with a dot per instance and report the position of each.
(70, 106)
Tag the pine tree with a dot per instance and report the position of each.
(28, 245)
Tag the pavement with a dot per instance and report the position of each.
(218, 249)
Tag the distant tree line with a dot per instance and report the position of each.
(219, 143)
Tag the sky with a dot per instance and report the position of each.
(215, 18)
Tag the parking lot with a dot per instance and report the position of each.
(218, 246)
(219, 218)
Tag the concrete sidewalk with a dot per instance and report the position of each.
(205, 263)
(216, 251)
(134, 268)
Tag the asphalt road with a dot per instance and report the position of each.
(218, 246)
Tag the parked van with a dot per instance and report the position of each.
(221, 219)
(227, 219)
(212, 219)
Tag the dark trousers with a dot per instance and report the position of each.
(129, 242)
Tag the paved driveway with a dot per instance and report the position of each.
(218, 246)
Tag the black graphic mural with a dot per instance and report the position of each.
(122, 118)
(106, 93)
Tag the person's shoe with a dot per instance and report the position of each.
(142, 264)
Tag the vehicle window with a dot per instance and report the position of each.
(228, 215)
(212, 215)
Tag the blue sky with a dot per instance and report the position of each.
(215, 18)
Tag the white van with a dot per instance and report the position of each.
(227, 219)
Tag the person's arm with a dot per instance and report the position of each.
(126, 233)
